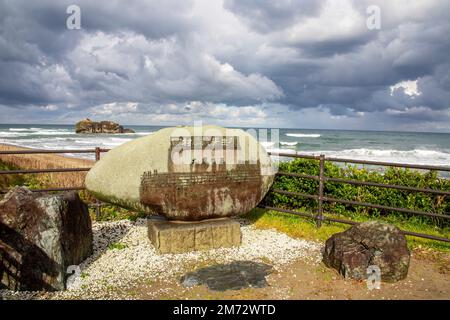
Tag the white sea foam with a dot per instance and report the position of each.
(285, 143)
(143, 133)
(23, 129)
(65, 138)
(267, 144)
(271, 146)
(4, 134)
(416, 156)
(24, 132)
(303, 135)
(277, 150)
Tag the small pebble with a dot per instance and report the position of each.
(111, 269)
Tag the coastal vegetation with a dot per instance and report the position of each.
(418, 201)
(293, 225)
(301, 227)
(44, 161)
(7, 181)
(40, 181)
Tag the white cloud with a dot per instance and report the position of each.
(409, 87)
(115, 108)
(233, 62)
(130, 67)
(337, 20)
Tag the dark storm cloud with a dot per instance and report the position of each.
(302, 54)
(361, 79)
(354, 71)
(267, 16)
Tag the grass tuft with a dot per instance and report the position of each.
(299, 227)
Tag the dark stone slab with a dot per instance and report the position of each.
(234, 276)
(40, 236)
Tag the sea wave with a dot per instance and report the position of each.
(277, 150)
(24, 132)
(303, 135)
(24, 129)
(267, 144)
(285, 143)
(143, 133)
(65, 138)
(270, 144)
(415, 156)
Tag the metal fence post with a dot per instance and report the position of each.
(319, 216)
(97, 203)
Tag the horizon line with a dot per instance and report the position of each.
(236, 127)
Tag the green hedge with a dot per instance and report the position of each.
(382, 196)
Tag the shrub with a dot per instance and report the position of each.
(383, 196)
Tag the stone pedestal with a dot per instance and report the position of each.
(177, 237)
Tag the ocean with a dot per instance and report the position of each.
(405, 147)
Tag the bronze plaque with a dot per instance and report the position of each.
(202, 189)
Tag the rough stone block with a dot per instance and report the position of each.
(370, 243)
(40, 236)
(179, 237)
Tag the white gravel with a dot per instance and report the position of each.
(123, 256)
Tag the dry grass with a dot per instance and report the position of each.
(48, 161)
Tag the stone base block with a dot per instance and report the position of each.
(178, 237)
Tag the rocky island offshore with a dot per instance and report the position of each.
(89, 126)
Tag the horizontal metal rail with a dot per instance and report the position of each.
(44, 170)
(319, 217)
(364, 204)
(49, 189)
(369, 162)
(332, 219)
(378, 206)
(327, 218)
(294, 155)
(298, 175)
(423, 235)
(389, 186)
(295, 194)
(364, 183)
(303, 214)
(97, 152)
(41, 151)
(391, 164)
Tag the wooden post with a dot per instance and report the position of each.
(97, 203)
(97, 154)
(319, 216)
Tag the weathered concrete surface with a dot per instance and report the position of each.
(178, 237)
(368, 244)
(169, 174)
(234, 276)
(40, 236)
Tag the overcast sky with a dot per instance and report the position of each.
(303, 64)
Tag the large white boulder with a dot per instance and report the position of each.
(185, 173)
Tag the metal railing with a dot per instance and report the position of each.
(319, 217)
(320, 197)
(97, 152)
